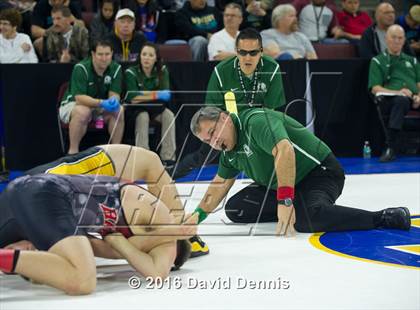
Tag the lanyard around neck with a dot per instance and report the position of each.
(250, 98)
(317, 18)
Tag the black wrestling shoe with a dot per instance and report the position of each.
(198, 247)
(387, 155)
(396, 218)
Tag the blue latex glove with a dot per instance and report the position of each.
(110, 105)
(164, 95)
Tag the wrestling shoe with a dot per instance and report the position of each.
(396, 218)
(198, 247)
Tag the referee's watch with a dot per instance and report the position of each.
(287, 202)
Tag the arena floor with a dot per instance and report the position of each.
(250, 268)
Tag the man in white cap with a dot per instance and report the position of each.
(126, 42)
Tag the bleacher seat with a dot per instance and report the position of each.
(335, 51)
(87, 17)
(181, 52)
(88, 5)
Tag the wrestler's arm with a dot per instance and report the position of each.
(156, 263)
(103, 249)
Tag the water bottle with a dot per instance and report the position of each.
(99, 122)
(366, 150)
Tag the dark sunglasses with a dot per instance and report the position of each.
(251, 53)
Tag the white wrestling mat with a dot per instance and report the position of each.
(248, 268)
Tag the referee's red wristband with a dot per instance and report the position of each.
(284, 192)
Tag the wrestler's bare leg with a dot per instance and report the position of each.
(69, 265)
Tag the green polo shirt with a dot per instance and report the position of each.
(136, 81)
(258, 131)
(394, 72)
(85, 81)
(225, 77)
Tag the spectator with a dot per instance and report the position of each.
(352, 21)
(126, 42)
(196, 22)
(319, 23)
(63, 42)
(103, 23)
(256, 15)
(94, 90)
(146, 17)
(411, 26)
(300, 4)
(41, 16)
(149, 82)
(222, 43)
(372, 42)
(396, 75)
(25, 8)
(14, 47)
(283, 41)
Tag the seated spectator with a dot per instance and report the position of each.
(41, 16)
(283, 41)
(256, 15)
(411, 25)
(25, 8)
(196, 22)
(63, 42)
(125, 40)
(352, 21)
(94, 91)
(222, 43)
(372, 42)
(148, 82)
(396, 75)
(319, 23)
(146, 16)
(14, 47)
(300, 4)
(103, 23)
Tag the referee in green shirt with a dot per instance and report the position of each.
(255, 80)
(297, 177)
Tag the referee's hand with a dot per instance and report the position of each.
(286, 220)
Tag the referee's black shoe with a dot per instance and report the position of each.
(396, 218)
(198, 247)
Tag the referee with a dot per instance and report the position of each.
(297, 178)
(254, 79)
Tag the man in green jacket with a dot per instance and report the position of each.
(395, 76)
(297, 177)
(94, 91)
(253, 78)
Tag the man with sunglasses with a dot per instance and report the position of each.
(254, 78)
(297, 178)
